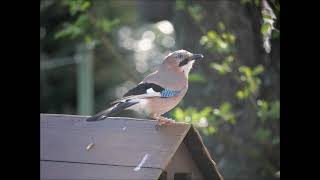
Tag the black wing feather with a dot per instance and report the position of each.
(111, 111)
(142, 89)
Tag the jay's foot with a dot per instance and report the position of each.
(163, 121)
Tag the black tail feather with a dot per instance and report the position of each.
(112, 110)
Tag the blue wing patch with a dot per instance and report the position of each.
(169, 93)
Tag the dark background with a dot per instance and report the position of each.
(91, 52)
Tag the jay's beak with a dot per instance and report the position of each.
(196, 56)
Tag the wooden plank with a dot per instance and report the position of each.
(201, 155)
(117, 141)
(77, 171)
(182, 163)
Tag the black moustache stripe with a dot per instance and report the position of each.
(183, 62)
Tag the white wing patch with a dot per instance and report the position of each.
(151, 91)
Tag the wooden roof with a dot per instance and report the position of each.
(116, 148)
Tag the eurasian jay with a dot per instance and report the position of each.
(159, 92)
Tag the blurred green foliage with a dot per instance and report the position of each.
(248, 79)
(77, 6)
(224, 67)
(222, 42)
(207, 119)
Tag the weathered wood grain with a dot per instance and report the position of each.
(77, 171)
(117, 141)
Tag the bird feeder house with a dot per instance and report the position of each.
(119, 148)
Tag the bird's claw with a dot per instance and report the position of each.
(163, 121)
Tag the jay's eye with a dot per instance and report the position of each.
(179, 56)
(183, 62)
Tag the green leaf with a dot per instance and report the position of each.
(197, 78)
(266, 16)
(222, 44)
(204, 40)
(222, 69)
(88, 39)
(246, 71)
(275, 110)
(106, 25)
(266, 27)
(71, 31)
(85, 5)
(206, 111)
(258, 70)
(212, 35)
(229, 59)
(221, 26)
(241, 94)
(196, 12)
(225, 112)
(212, 130)
(178, 114)
(225, 107)
(231, 38)
(257, 3)
(76, 6)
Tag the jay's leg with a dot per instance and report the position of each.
(162, 120)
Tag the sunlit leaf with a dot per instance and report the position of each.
(212, 130)
(225, 107)
(229, 59)
(258, 70)
(220, 68)
(178, 114)
(231, 38)
(197, 78)
(212, 35)
(241, 94)
(221, 26)
(106, 25)
(196, 12)
(246, 70)
(268, 17)
(203, 40)
(85, 5)
(265, 28)
(206, 111)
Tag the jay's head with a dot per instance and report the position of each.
(181, 61)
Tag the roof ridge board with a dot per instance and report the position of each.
(109, 118)
(203, 152)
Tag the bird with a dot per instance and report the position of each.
(159, 92)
